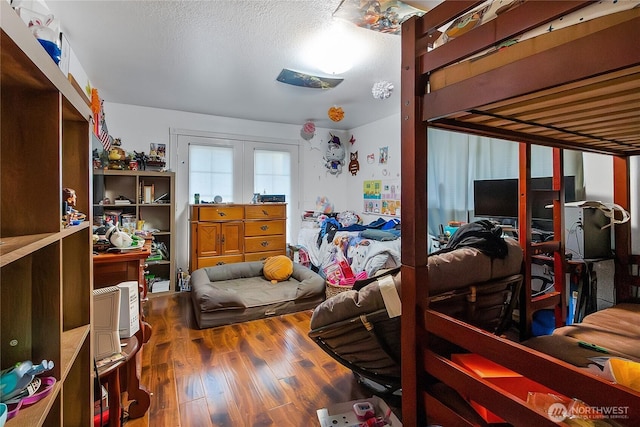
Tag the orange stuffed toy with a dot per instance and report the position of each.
(277, 268)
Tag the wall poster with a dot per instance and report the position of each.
(382, 197)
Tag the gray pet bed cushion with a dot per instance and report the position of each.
(239, 292)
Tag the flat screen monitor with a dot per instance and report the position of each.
(498, 198)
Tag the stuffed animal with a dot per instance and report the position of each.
(358, 255)
(277, 268)
(118, 238)
(335, 156)
(354, 165)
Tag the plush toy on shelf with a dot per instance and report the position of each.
(69, 213)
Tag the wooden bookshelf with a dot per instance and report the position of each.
(46, 286)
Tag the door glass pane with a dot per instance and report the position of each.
(272, 173)
(210, 173)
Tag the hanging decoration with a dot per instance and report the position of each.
(354, 165)
(308, 130)
(100, 123)
(385, 16)
(382, 89)
(336, 113)
(334, 157)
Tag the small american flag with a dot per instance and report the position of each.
(104, 132)
(106, 140)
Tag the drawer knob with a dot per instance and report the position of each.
(264, 243)
(265, 212)
(264, 228)
(222, 214)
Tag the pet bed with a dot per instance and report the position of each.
(239, 292)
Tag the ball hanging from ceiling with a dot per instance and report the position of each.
(382, 89)
(336, 113)
(308, 130)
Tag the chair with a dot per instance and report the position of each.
(355, 328)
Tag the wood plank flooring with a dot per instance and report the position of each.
(261, 373)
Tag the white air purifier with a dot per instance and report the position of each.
(106, 322)
(129, 309)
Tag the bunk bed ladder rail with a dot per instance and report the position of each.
(557, 299)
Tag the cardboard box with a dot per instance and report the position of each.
(342, 414)
(500, 376)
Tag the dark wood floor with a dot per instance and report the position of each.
(261, 373)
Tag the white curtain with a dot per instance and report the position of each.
(457, 159)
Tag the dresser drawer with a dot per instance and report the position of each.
(218, 260)
(264, 228)
(261, 256)
(265, 211)
(264, 243)
(220, 213)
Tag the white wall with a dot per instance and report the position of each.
(316, 179)
(598, 180)
(138, 127)
(369, 139)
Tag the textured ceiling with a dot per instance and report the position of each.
(222, 57)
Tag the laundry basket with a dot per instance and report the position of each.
(333, 289)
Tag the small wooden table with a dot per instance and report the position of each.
(122, 375)
(109, 269)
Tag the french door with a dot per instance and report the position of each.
(231, 169)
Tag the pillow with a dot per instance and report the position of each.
(277, 268)
(380, 235)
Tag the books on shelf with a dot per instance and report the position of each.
(147, 193)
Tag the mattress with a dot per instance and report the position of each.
(577, 24)
(615, 328)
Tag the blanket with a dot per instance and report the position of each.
(363, 254)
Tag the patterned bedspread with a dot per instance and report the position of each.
(362, 254)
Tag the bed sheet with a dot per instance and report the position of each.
(362, 254)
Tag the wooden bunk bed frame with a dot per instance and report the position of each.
(585, 97)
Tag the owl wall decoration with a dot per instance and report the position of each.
(354, 165)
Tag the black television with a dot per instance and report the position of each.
(498, 198)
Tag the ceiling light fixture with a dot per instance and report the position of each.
(336, 50)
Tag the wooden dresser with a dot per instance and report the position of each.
(229, 233)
